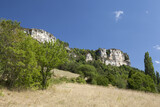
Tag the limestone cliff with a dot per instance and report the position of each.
(113, 57)
(89, 57)
(40, 35)
(117, 58)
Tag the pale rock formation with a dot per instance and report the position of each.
(103, 54)
(89, 57)
(117, 58)
(40, 35)
(113, 57)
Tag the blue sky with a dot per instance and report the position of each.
(132, 26)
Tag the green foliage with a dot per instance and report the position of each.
(149, 69)
(26, 63)
(80, 80)
(108, 52)
(50, 55)
(28, 69)
(86, 70)
(142, 82)
(158, 87)
(65, 44)
(121, 83)
(17, 57)
(59, 80)
(69, 66)
(94, 81)
(157, 77)
(111, 79)
(102, 80)
(126, 56)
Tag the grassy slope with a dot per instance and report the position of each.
(77, 95)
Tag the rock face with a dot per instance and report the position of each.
(114, 57)
(40, 35)
(103, 54)
(117, 58)
(89, 57)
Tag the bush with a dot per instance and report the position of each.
(101, 80)
(111, 79)
(80, 80)
(121, 83)
(142, 82)
(158, 87)
(93, 81)
(86, 70)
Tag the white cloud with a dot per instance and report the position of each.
(156, 47)
(118, 14)
(157, 62)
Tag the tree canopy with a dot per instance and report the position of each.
(149, 68)
(24, 62)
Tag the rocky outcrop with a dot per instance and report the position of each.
(103, 54)
(40, 35)
(113, 57)
(117, 58)
(89, 57)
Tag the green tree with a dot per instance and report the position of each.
(18, 57)
(102, 80)
(9, 36)
(27, 67)
(149, 69)
(87, 70)
(50, 55)
(142, 82)
(24, 62)
(157, 77)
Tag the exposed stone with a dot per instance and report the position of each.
(103, 54)
(117, 58)
(40, 35)
(89, 57)
(113, 57)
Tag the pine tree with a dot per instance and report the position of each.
(149, 69)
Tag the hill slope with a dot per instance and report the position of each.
(77, 95)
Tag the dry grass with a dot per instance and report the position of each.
(62, 73)
(78, 95)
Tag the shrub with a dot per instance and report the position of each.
(142, 82)
(121, 83)
(101, 80)
(87, 70)
(80, 80)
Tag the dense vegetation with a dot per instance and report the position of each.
(26, 63)
(95, 72)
